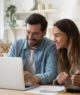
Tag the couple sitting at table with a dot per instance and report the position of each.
(39, 54)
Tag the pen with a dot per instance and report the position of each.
(73, 74)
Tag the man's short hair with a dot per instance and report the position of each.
(36, 18)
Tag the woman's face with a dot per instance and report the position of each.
(60, 38)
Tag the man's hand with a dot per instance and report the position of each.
(29, 78)
(76, 78)
(62, 77)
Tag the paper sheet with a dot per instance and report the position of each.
(46, 90)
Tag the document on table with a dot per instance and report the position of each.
(46, 90)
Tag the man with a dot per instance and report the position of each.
(38, 53)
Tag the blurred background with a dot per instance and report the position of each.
(14, 12)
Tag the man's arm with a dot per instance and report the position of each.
(12, 50)
(50, 68)
(29, 78)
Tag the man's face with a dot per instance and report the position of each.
(34, 35)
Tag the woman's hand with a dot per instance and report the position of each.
(62, 77)
(76, 78)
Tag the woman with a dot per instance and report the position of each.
(67, 39)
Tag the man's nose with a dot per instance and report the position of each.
(30, 36)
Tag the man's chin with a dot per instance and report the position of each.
(32, 45)
(36, 44)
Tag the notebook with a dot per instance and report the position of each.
(11, 74)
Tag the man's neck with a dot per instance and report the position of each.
(34, 46)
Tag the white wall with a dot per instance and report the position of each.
(65, 9)
(1, 18)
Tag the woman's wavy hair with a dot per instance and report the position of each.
(69, 59)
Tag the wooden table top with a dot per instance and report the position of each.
(66, 93)
(15, 92)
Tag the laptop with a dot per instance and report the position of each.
(12, 75)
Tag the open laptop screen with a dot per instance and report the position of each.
(11, 74)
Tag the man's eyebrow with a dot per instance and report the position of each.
(57, 33)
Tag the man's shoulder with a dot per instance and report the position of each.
(48, 42)
(20, 41)
(48, 45)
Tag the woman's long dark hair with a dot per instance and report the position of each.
(69, 59)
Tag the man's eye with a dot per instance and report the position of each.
(57, 35)
(35, 33)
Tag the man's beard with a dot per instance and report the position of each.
(33, 43)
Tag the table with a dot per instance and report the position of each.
(66, 93)
(14, 92)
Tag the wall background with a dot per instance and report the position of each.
(64, 9)
(1, 19)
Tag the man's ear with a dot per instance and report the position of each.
(44, 33)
